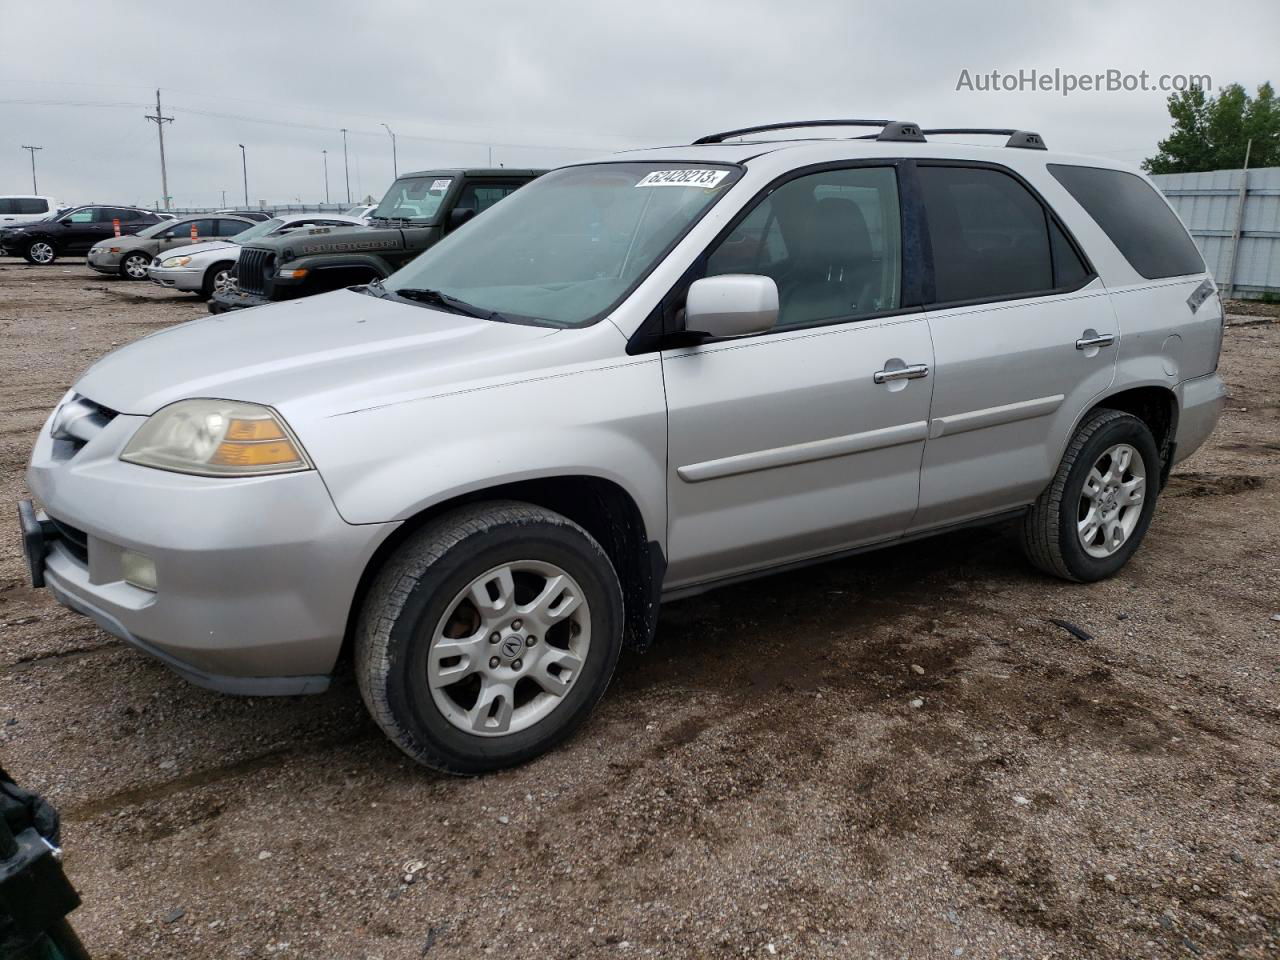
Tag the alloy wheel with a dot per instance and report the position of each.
(42, 252)
(1111, 500)
(136, 267)
(509, 647)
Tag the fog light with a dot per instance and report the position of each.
(139, 571)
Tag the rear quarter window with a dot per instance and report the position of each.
(1136, 219)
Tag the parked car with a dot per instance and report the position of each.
(256, 215)
(632, 381)
(361, 210)
(26, 208)
(418, 209)
(75, 231)
(206, 268)
(129, 257)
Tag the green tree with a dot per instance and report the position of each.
(1210, 133)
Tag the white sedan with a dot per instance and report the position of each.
(205, 268)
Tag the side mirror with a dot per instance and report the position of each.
(460, 215)
(732, 305)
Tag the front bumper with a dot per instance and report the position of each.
(102, 261)
(255, 577)
(228, 300)
(177, 278)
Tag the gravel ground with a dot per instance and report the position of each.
(898, 755)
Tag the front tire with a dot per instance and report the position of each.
(134, 266)
(1093, 515)
(216, 279)
(40, 252)
(488, 636)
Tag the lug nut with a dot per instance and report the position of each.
(494, 637)
(515, 624)
(493, 663)
(530, 641)
(516, 665)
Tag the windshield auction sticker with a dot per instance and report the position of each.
(683, 178)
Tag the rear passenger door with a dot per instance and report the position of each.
(805, 439)
(1024, 338)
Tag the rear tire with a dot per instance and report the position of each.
(1093, 515)
(468, 685)
(215, 279)
(134, 266)
(40, 252)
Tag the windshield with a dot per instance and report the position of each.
(413, 198)
(258, 230)
(565, 249)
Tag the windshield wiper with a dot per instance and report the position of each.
(436, 298)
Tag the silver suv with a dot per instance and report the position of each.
(631, 381)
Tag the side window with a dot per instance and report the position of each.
(8, 206)
(83, 216)
(990, 236)
(1135, 217)
(831, 241)
(1069, 271)
(481, 196)
(31, 205)
(229, 228)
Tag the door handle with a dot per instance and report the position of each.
(1093, 339)
(913, 372)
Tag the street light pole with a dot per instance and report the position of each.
(244, 166)
(32, 151)
(345, 165)
(395, 167)
(326, 175)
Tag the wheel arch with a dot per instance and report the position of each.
(1154, 404)
(600, 506)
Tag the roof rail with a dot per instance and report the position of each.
(768, 127)
(1023, 139)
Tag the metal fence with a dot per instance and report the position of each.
(1240, 245)
(270, 208)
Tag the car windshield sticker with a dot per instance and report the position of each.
(683, 178)
(440, 186)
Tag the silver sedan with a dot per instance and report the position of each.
(130, 256)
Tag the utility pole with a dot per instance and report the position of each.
(224, 199)
(160, 120)
(326, 175)
(244, 165)
(345, 166)
(395, 167)
(32, 151)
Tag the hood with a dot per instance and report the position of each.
(127, 242)
(207, 246)
(319, 356)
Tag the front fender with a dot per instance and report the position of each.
(392, 462)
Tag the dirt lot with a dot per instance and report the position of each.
(759, 785)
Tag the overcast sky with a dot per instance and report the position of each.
(550, 82)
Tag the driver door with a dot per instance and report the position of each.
(807, 439)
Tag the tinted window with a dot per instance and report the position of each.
(1135, 217)
(830, 241)
(32, 205)
(8, 206)
(229, 228)
(990, 236)
(481, 196)
(1069, 271)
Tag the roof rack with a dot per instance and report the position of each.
(1023, 139)
(893, 129)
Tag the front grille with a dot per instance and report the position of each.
(252, 270)
(73, 538)
(77, 422)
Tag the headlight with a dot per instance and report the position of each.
(217, 438)
(175, 262)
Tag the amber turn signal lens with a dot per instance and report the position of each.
(271, 453)
(252, 430)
